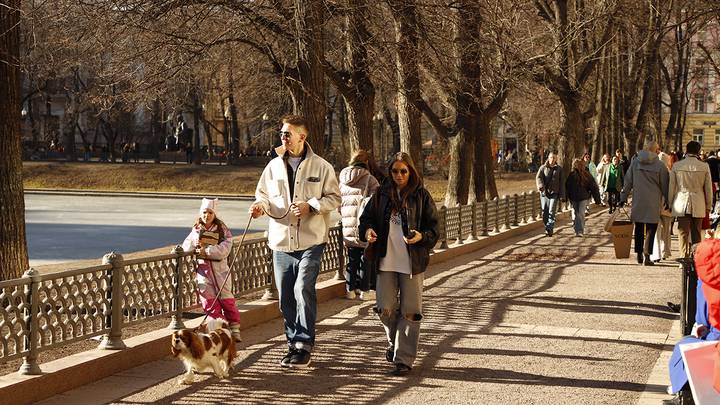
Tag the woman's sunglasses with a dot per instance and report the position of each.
(400, 171)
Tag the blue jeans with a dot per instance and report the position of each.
(549, 209)
(578, 208)
(295, 277)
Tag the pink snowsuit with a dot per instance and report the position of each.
(224, 307)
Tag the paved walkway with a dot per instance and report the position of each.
(533, 320)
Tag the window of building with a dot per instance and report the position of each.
(698, 135)
(717, 137)
(699, 102)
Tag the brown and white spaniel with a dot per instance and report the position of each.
(201, 349)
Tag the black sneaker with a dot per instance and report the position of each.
(300, 359)
(640, 258)
(647, 261)
(401, 370)
(285, 362)
(390, 354)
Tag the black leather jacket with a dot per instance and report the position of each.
(421, 216)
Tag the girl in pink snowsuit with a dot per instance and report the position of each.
(211, 241)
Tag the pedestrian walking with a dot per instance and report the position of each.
(550, 184)
(580, 187)
(662, 237)
(622, 160)
(211, 241)
(604, 163)
(298, 190)
(691, 196)
(357, 185)
(647, 179)
(400, 223)
(612, 182)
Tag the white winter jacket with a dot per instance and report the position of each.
(315, 183)
(356, 183)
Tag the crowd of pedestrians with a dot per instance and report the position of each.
(390, 225)
(663, 189)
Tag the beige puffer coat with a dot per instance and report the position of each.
(356, 183)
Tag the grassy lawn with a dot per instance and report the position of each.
(206, 179)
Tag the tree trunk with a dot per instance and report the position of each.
(483, 166)
(361, 90)
(408, 79)
(309, 91)
(13, 246)
(462, 151)
(394, 128)
(572, 139)
(197, 155)
(156, 133)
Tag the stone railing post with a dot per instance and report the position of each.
(523, 217)
(484, 228)
(459, 240)
(339, 274)
(176, 323)
(506, 205)
(496, 221)
(271, 292)
(533, 205)
(113, 340)
(516, 207)
(443, 228)
(473, 227)
(30, 365)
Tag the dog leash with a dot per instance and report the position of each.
(219, 290)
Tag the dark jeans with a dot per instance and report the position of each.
(295, 276)
(613, 199)
(354, 270)
(644, 237)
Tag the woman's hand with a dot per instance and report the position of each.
(417, 237)
(370, 235)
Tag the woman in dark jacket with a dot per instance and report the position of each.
(400, 223)
(580, 186)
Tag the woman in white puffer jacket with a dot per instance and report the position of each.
(357, 184)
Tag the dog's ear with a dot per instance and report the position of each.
(195, 346)
(175, 352)
(202, 328)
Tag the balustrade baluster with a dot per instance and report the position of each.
(32, 323)
(473, 226)
(176, 322)
(113, 340)
(443, 228)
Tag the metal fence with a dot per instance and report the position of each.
(39, 312)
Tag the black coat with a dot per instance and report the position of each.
(576, 191)
(421, 216)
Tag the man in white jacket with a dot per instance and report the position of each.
(691, 196)
(298, 190)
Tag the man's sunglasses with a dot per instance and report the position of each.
(400, 171)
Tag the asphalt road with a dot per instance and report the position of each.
(67, 227)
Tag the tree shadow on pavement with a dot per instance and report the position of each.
(466, 303)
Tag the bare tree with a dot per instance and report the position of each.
(13, 245)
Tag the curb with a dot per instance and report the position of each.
(86, 367)
(134, 194)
